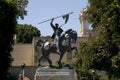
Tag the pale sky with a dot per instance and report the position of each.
(41, 10)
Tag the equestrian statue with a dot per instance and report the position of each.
(59, 44)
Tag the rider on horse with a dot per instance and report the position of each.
(57, 34)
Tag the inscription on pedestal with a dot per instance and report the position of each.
(55, 74)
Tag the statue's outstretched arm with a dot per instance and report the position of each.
(51, 23)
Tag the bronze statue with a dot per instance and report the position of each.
(65, 45)
(57, 34)
(59, 44)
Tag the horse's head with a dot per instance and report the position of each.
(71, 34)
(39, 42)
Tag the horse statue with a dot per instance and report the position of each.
(66, 41)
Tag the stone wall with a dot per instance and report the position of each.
(29, 71)
(23, 53)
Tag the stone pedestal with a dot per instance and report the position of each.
(55, 74)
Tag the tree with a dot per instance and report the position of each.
(25, 33)
(103, 49)
(8, 20)
(20, 5)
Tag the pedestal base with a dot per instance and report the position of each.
(55, 74)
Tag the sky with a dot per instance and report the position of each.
(41, 10)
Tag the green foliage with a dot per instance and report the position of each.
(21, 5)
(104, 15)
(84, 74)
(102, 51)
(25, 33)
(8, 20)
